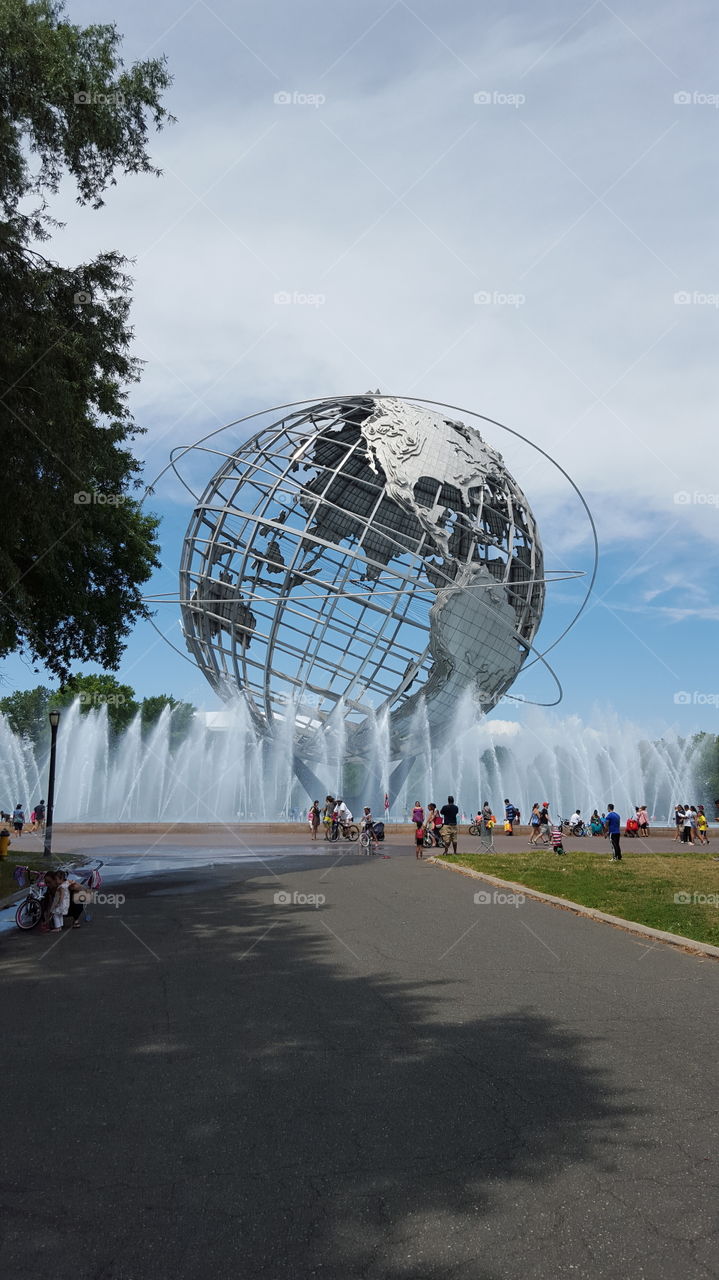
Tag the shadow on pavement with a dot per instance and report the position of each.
(215, 1087)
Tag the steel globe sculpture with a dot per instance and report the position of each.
(363, 558)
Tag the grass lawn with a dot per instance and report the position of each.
(641, 887)
(26, 858)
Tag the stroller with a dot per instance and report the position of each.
(379, 831)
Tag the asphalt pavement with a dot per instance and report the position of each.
(352, 1070)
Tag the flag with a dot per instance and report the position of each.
(386, 800)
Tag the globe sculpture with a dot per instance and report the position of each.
(363, 558)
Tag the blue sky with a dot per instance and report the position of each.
(510, 208)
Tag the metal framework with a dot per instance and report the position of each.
(352, 555)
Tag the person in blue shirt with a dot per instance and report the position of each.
(613, 824)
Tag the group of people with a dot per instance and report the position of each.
(691, 824)
(18, 821)
(60, 900)
(440, 824)
(334, 814)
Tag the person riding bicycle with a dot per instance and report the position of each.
(575, 821)
(367, 826)
(344, 817)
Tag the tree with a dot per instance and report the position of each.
(26, 711)
(77, 546)
(100, 691)
(180, 719)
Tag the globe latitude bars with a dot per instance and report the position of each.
(361, 556)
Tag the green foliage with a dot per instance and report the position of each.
(77, 546)
(95, 692)
(27, 711)
(180, 720)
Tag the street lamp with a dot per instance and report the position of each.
(54, 722)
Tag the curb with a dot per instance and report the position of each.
(629, 926)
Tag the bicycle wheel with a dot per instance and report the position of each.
(28, 914)
(474, 830)
(365, 841)
(352, 832)
(428, 840)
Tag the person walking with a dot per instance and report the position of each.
(643, 818)
(511, 815)
(678, 821)
(40, 815)
(702, 826)
(450, 812)
(534, 824)
(418, 814)
(687, 826)
(613, 825)
(315, 818)
(434, 823)
(18, 818)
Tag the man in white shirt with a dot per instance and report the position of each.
(343, 813)
(575, 820)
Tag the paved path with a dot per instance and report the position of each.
(397, 1084)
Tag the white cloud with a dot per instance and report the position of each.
(597, 363)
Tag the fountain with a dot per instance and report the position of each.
(232, 774)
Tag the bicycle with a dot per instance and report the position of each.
(29, 911)
(350, 831)
(368, 842)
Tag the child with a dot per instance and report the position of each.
(368, 825)
(557, 839)
(60, 902)
(419, 840)
(702, 827)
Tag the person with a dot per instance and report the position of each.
(449, 812)
(40, 815)
(18, 818)
(51, 883)
(544, 821)
(419, 840)
(556, 838)
(368, 825)
(434, 822)
(511, 815)
(418, 814)
(678, 821)
(64, 902)
(595, 824)
(486, 812)
(643, 818)
(344, 817)
(575, 820)
(613, 824)
(327, 812)
(632, 827)
(702, 826)
(534, 824)
(687, 837)
(314, 818)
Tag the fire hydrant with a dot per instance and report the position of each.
(4, 842)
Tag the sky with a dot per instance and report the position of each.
(509, 208)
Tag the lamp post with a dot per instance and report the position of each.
(54, 722)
